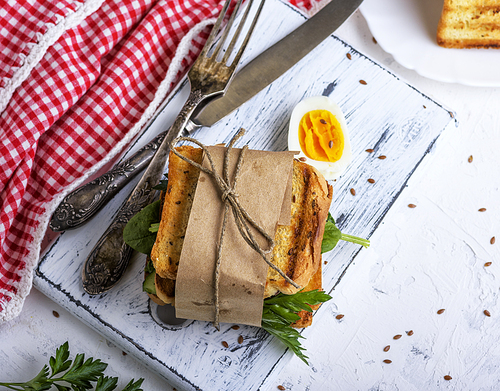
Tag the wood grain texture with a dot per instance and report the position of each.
(384, 114)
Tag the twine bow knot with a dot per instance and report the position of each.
(229, 197)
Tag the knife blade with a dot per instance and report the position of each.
(83, 203)
(276, 60)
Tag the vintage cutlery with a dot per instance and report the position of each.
(80, 205)
(209, 76)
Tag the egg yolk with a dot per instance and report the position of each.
(320, 136)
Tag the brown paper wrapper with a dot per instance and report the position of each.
(264, 191)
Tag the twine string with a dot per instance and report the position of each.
(229, 197)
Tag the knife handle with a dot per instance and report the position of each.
(109, 258)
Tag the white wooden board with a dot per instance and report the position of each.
(385, 114)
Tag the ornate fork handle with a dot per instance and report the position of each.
(109, 258)
(80, 205)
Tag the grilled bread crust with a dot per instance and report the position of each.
(316, 282)
(165, 290)
(297, 250)
(469, 24)
(182, 181)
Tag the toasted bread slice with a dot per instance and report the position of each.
(182, 181)
(469, 24)
(297, 250)
(165, 290)
(306, 317)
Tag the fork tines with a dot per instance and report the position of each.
(217, 27)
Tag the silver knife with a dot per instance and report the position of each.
(80, 205)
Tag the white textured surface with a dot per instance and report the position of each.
(408, 32)
(421, 260)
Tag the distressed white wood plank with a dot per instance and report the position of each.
(386, 114)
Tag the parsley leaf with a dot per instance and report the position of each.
(79, 375)
(280, 311)
(60, 363)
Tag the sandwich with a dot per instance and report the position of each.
(469, 24)
(297, 251)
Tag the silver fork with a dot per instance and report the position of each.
(209, 77)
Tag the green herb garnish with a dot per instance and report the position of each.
(137, 234)
(79, 375)
(280, 312)
(148, 285)
(162, 186)
(332, 236)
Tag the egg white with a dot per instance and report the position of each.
(330, 170)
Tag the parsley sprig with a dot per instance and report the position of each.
(78, 375)
(280, 311)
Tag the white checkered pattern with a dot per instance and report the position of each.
(86, 93)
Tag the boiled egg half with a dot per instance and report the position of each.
(318, 130)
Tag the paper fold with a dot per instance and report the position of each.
(264, 191)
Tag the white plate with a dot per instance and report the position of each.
(407, 30)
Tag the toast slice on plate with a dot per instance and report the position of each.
(469, 24)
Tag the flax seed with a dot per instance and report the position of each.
(492, 240)
(55, 313)
(410, 333)
(382, 157)
(348, 55)
(487, 313)
(330, 144)
(369, 150)
(235, 327)
(225, 344)
(353, 192)
(387, 361)
(440, 311)
(397, 336)
(339, 316)
(412, 206)
(280, 387)
(470, 159)
(363, 82)
(487, 264)
(322, 121)
(447, 377)
(240, 339)
(386, 349)
(302, 159)
(481, 210)
(370, 180)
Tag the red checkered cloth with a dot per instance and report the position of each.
(78, 79)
